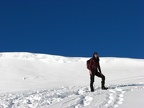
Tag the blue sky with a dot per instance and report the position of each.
(113, 28)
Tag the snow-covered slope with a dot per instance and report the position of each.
(49, 81)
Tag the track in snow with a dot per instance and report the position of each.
(69, 97)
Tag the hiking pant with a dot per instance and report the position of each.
(95, 72)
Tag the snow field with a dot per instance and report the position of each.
(46, 81)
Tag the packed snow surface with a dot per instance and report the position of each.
(30, 80)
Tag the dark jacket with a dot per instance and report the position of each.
(94, 64)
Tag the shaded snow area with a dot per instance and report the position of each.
(30, 80)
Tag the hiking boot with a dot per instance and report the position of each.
(104, 88)
(91, 87)
(92, 90)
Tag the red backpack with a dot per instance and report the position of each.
(88, 63)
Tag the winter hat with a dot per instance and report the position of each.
(95, 53)
(94, 56)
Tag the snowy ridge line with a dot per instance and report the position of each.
(69, 97)
(47, 58)
(42, 57)
(56, 58)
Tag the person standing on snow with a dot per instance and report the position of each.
(95, 69)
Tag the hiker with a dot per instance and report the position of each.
(95, 69)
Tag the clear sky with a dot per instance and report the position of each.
(113, 28)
